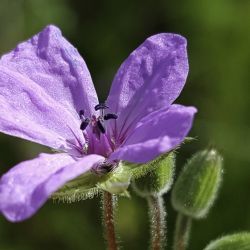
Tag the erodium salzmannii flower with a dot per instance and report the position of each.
(47, 96)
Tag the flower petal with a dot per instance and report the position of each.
(151, 78)
(155, 134)
(27, 111)
(50, 61)
(26, 187)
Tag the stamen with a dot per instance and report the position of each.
(96, 121)
(81, 114)
(101, 106)
(84, 124)
(110, 116)
(100, 126)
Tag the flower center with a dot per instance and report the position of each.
(96, 122)
(98, 139)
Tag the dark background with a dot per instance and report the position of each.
(105, 32)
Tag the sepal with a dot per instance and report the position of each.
(117, 182)
(81, 188)
(159, 179)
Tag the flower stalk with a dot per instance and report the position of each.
(182, 232)
(157, 216)
(152, 186)
(108, 207)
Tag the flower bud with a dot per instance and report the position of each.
(197, 185)
(159, 179)
(231, 242)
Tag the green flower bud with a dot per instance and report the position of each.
(231, 242)
(159, 180)
(197, 185)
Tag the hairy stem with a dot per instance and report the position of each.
(182, 232)
(108, 205)
(157, 216)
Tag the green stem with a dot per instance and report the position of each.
(108, 205)
(182, 232)
(157, 216)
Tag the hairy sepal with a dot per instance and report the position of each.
(159, 179)
(116, 182)
(139, 170)
(90, 184)
(231, 242)
(82, 188)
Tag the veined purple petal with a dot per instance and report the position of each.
(155, 134)
(50, 61)
(27, 111)
(151, 78)
(26, 187)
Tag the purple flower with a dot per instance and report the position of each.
(47, 96)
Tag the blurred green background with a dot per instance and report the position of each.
(105, 32)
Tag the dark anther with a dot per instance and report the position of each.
(101, 106)
(110, 116)
(100, 126)
(81, 113)
(84, 124)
